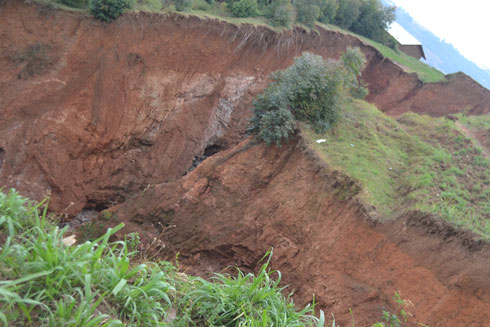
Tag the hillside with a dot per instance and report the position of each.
(413, 163)
(143, 121)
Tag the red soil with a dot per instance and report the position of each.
(239, 203)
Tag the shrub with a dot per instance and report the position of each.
(245, 8)
(108, 10)
(310, 90)
(280, 13)
(182, 5)
(315, 89)
(273, 120)
(354, 61)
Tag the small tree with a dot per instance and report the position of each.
(108, 10)
(373, 20)
(307, 11)
(310, 90)
(329, 11)
(280, 13)
(245, 8)
(347, 13)
(354, 62)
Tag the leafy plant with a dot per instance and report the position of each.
(354, 62)
(397, 319)
(183, 5)
(245, 8)
(108, 10)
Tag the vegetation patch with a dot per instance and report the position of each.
(35, 59)
(414, 162)
(108, 10)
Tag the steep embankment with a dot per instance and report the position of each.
(91, 112)
(241, 202)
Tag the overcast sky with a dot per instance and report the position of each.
(464, 24)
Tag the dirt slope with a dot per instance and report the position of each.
(92, 112)
(241, 202)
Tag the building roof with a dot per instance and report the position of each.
(401, 35)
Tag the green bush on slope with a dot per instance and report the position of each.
(311, 90)
(108, 10)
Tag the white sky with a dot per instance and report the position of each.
(464, 24)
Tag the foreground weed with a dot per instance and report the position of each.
(97, 284)
(244, 300)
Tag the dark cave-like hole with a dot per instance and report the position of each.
(209, 151)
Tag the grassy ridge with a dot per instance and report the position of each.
(46, 281)
(415, 162)
(426, 73)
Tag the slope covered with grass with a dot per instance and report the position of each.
(413, 162)
(425, 72)
(46, 280)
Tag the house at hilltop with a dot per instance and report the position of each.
(406, 42)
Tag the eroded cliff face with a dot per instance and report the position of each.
(97, 115)
(91, 112)
(241, 202)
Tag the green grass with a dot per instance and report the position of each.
(481, 122)
(415, 162)
(44, 282)
(426, 73)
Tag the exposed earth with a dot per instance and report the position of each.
(147, 117)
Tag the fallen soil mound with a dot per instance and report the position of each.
(92, 112)
(239, 203)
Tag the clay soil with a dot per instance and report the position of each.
(239, 203)
(114, 116)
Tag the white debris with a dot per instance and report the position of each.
(321, 141)
(70, 240)
(352, 145)
(390, 168)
